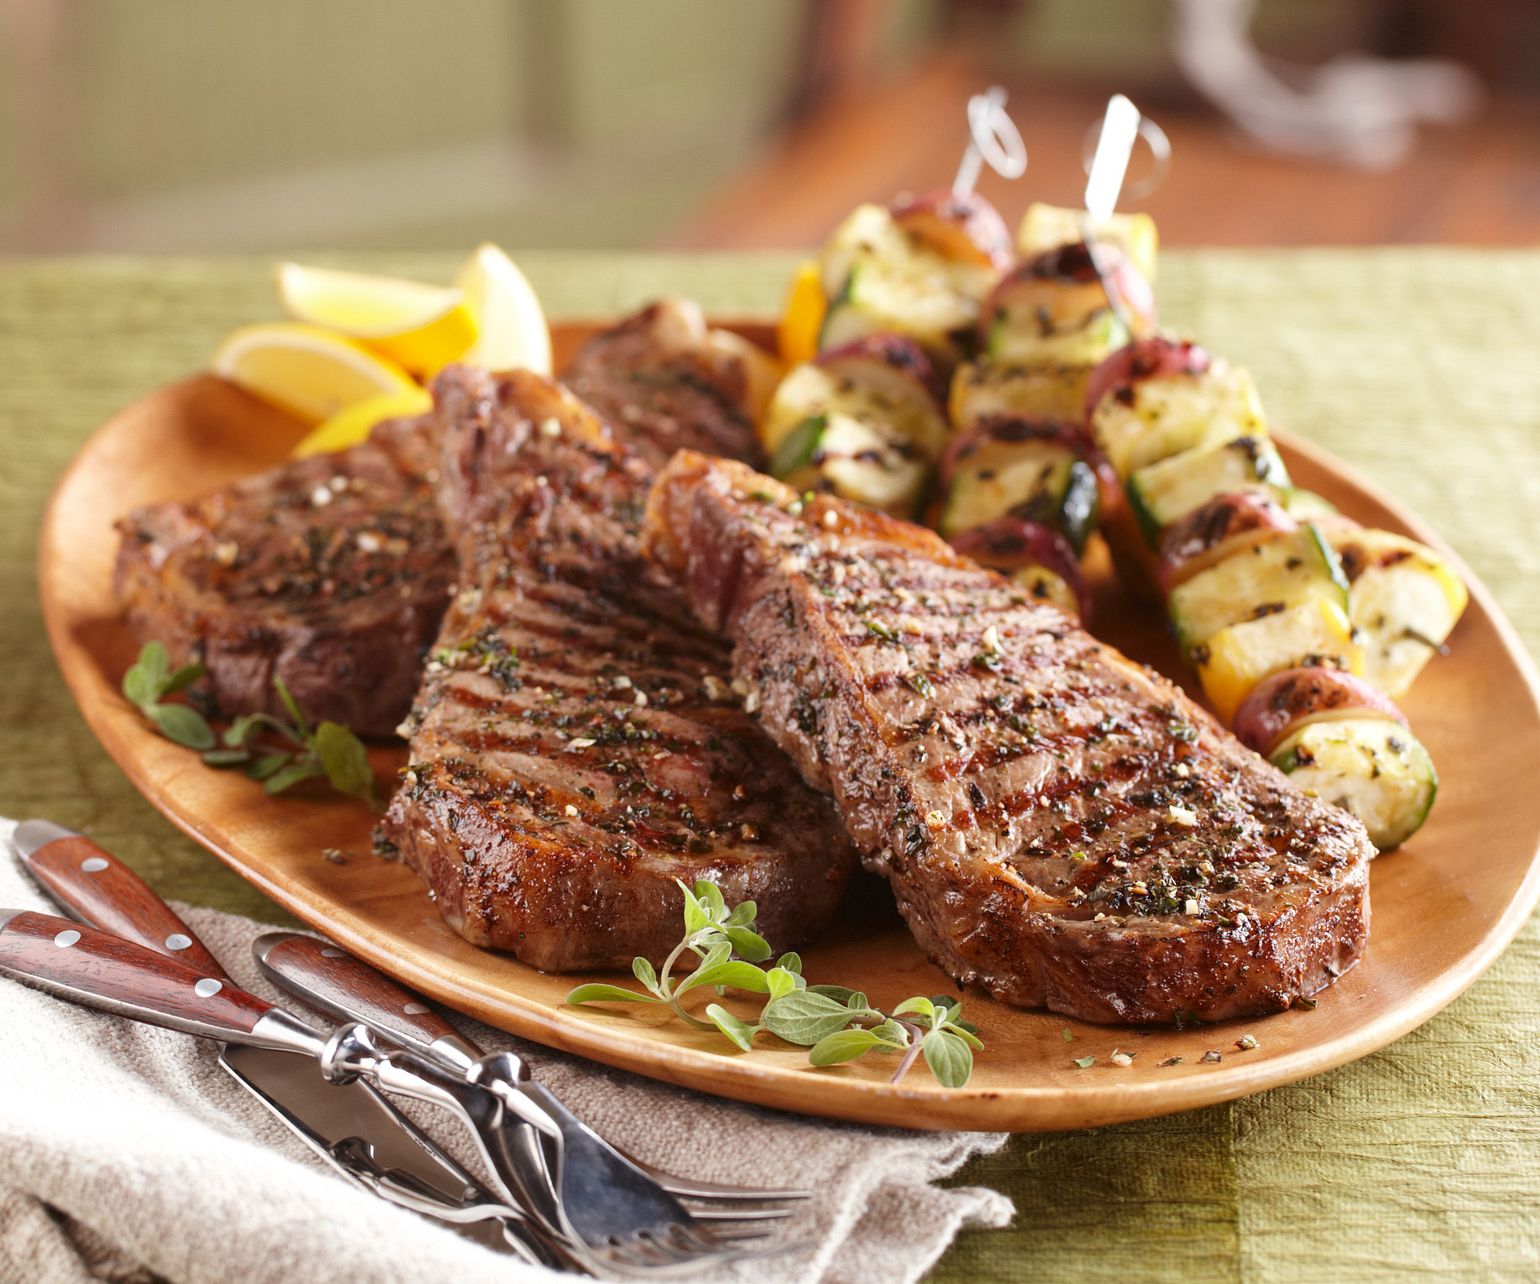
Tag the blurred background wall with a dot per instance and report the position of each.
(181, 125)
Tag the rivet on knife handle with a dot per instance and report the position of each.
(103, 890)
(334, 980)
(113, 975)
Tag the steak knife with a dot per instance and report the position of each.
(349, 1125)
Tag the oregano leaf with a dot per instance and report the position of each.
(748, 944)
(695, 916)
(182, 678)
(597, 992)
(139, 688)
(711, 899)
(779, 982)
(345, 761)
(949, 1058)
(842, 1045)
(740, 976)
(920, 1006)
(644, 972)
(289, 775)
(225, 757)
(841, 994)
(155, 663)
(743, 915)
(740, 1032)
(805, 1017)
(264, 766)
(291, 704)
(965, 1034)
(183, 725)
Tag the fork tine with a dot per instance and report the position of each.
(708, 1191)
(729, 1213)
(740, 1234)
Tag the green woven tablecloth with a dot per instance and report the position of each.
(1421, 367)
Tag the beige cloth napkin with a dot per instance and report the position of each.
(126, 1153)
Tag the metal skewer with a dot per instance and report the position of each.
(993, 139)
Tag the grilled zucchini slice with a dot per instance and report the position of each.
(1161, 493)
(1404, 599)
(1371, 767)
(1235, 659)
(884, 397)
(1168, 416)
(835, 452)
(1261, 580)
(1046, 320)
(857, 426)
(1040, 479)
(1305, 504)
(1014, 390)
(881, 280)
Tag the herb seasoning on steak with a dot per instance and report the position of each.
(576, 745)
(1059, 824)
(664, 382)
(330, 573)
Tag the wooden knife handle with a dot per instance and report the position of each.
(104, 892)
(347, 987)
(93, 968)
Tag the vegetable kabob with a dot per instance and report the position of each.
(1303, 627)
(900, 298)
(1021, 486)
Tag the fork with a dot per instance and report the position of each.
(585, 1189)
(335, 981)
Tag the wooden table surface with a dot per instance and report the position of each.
(1421, 1161)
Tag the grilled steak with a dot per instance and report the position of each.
(664, 382)
(330, 573)
(1059, 825)
(577, 746)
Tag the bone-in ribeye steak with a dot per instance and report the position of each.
(333, 572)
(1059, 825)
(330, 573)
(577, 747)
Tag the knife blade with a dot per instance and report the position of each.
(349, 1125)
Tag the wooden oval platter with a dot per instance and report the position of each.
(1443, 907)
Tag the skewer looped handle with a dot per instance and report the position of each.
(993, 139)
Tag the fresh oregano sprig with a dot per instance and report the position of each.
(280, 754)
(146, 686)
(835, 1023)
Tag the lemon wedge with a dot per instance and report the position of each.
(310, 372)
(420, 327)
(350, 426)
(512, 330)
